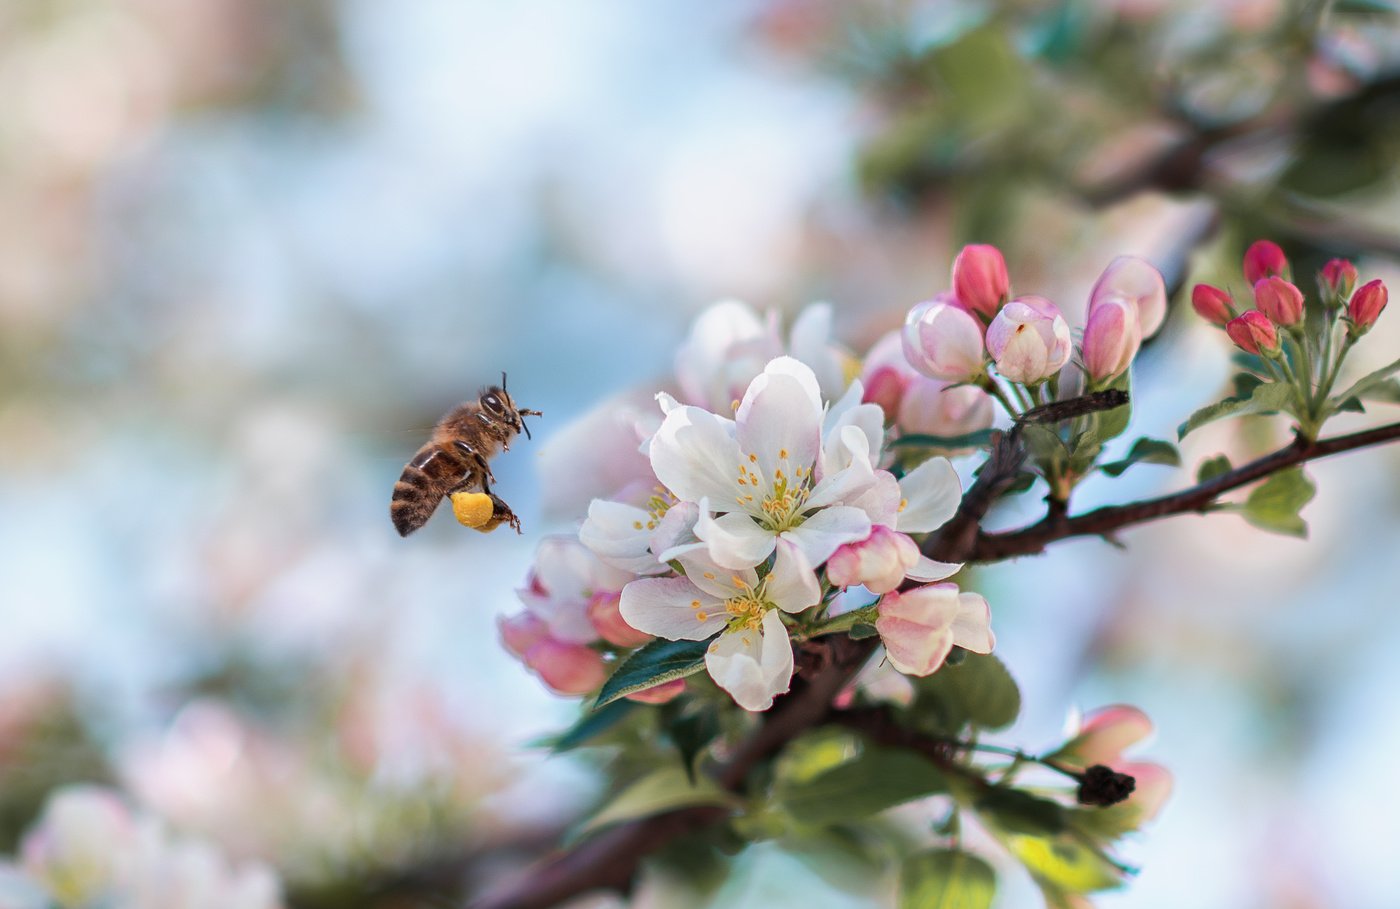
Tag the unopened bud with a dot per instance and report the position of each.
(880, 561)
(1263, 260)
(1102, 786)
(1212, 304)
(1029, 340)
(1366, 305)
(943, 341)
(569, 669)
(1140, 283)
(885, 386)
(606, 616)
(1254, 333)
(1338, 278)
(1279, 300)
(980, 281)
(1111, 339)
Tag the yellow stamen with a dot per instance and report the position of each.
(902, 504)
(753, 459)
(700, 617)
(636, 525)
(734, 404)
(709, 576)
(782, 454)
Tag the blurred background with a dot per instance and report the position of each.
(250, 250)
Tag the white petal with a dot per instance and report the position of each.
(881, 500)
(869, 418)
(695, 456)
(666, 607)
(932, 491)
(701, 360)
(792, 586)
(611, 533)
(820, 535)
(667, 402)
(715, 579)
(787, 366)
(848, 472)
(754, 667)
(810, 342)
(677, 528)
(846, 403)
(927, 569)
(778, 417)
(972, 629)
(735, 540)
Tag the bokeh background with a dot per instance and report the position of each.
(251, 249)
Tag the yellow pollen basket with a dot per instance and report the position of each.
(475, 510)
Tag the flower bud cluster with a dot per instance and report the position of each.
(958, 335)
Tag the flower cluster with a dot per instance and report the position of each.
(959, 334)
(90, 849)
(1294, 349)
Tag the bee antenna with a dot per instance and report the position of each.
(525, 426)
(503, 380)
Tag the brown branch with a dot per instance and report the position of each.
(609, 860)
(985, 547)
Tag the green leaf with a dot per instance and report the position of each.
(1269, 397)
(1274, 504)
(815, 752)
(1249, 362)
(1145, 451)
(946, 879)
(1387, 392)
(652, 664)
(1086, 445)
(1017, 811)
(1042, 442)
(1351, 405)
(592, 724)
(692, 732)
(1371, 383)
(978, 690)
(663, 790)
(980, 439)
(862, 630)
(1063, 864)
(1245, 383)
(1213, 467)
(879, 778)
(1113, 423)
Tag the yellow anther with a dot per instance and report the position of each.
(753, 459)
(739, 499)
(701, 617)
(734, 405)
(709, 576)
(636, 525)
(777, 474)
(748, 498)
(743, 482)
(782, 454)
(801, 472)
(739, 582)
(694, 604)
(902, 504)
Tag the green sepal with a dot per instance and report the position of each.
(980, 439)
(1274, 504)
(1213, 467)
(1145, 451)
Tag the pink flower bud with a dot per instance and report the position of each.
(1279, 300)
(521, 631)
(1262, 260)
(930, 407)
(1366, 305)
(979, 279)
(607, 618)
(1253, 332)
(943, 341)
(1136, 280)
(1029, 340)
(1339, 277)
(885, 386)
(658, 694)
(880, 561)
(920, 626)
(568, 669)
(1213, 304)
(1111, 339)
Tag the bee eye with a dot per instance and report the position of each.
(492, 402)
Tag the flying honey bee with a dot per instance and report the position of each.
(456, 459)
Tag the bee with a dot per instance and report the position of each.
(456, 459)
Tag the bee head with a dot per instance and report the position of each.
(497, 402)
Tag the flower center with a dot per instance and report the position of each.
(746, 611)
(784, 496)
(657, 506)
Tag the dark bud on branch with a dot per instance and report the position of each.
(1103, 786)
(1056, 411)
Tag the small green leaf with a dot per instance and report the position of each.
(692, 732)
(1113, 423)
(1351, 405)
(877, 779)
(652, 664)
(660, 791)
(1274, 504)
(1368, 384)
(1020, 483)
(1386, 392)
(1245, 383)
(1269, 397)
(1063, 864)
(980, 439)
(978, 690)
(1086, 445)
(946, 879)
(815, 752)
(1145, 451)
(1213, 467)
(862, 630)
(1017, 811)
(1042, 442)
(592, 724)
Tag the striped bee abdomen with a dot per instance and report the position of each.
(421, 486)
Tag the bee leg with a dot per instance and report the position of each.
(480, 461)
(502, 514)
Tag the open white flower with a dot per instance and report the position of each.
(766, 473)
(752, 657)
(632, 538)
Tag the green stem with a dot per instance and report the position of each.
(993, 387)
(866, 615)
